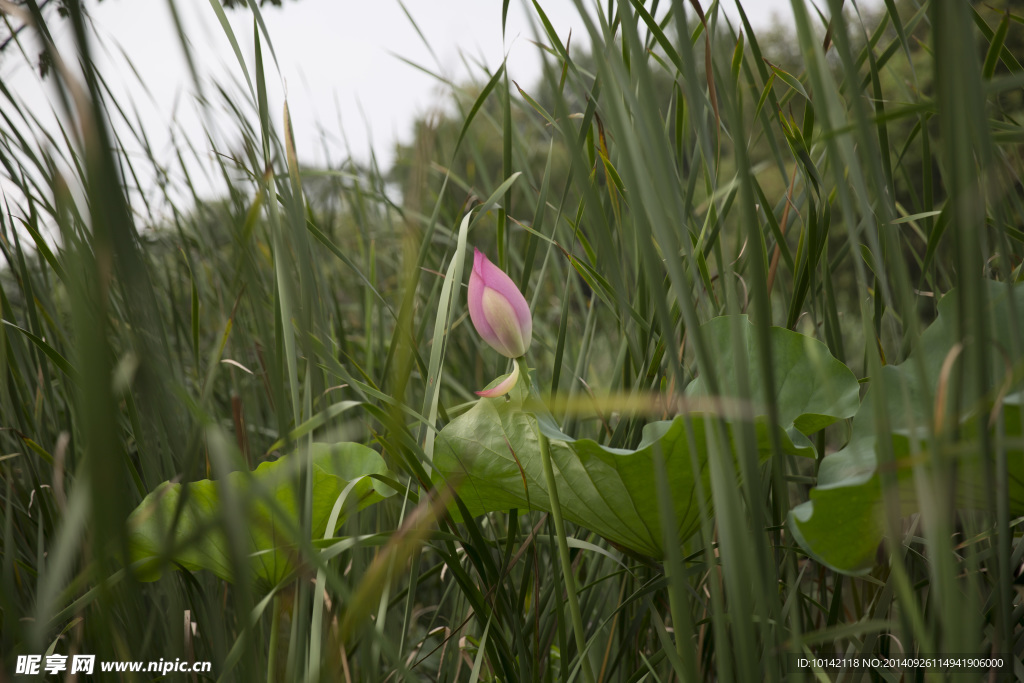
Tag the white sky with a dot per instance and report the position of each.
(339, 60)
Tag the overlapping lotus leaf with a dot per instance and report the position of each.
(843, 523)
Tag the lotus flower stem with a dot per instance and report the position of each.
(563, 546)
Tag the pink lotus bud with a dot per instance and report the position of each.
(498, 309)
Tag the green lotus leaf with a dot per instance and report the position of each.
(268, 497)
(843, 524)
(812, 389)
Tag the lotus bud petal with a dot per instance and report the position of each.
(504, 386)
(498, 309)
